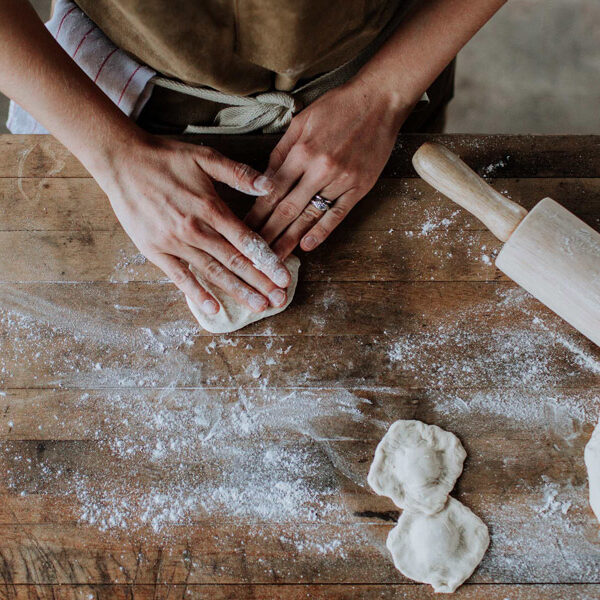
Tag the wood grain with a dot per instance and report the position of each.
(391, 591)
(500, 155)
(74, 204)
(97, 350)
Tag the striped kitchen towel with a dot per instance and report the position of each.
(125, 81)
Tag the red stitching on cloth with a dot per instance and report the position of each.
(128, 82)
(63, 20)
(103, 63)
(83, 40)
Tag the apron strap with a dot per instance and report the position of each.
(272, 111)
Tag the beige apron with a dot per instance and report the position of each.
(272, 111)
(289, 51)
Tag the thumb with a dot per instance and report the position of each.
(237, 175)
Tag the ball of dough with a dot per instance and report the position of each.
(417, 465)
(592, 463)
(234, 316)
(442, 549)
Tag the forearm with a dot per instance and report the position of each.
(42, 78)
(422, 45)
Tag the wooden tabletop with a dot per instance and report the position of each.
(143, 458)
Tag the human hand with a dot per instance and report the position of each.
(162, 193)
(336, 147)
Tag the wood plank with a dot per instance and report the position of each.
(69, 477)
(139, 314)
(391, 591)
(497, 155)
(262, 553)
(83, 256)
(329, 414)
(75, 204)
(526, 488)
(95, 336)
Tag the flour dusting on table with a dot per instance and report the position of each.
(244, 450)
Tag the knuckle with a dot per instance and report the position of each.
(348, 176)
(301, 151)
(165, 240)
(241, 171)
(214, 270)
(238, 262)
(179, 275)
(338, 212)
(287, 210)
(310, 214)
(188, 227)
(208, 153)
(327, 162)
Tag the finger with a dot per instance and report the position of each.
(292, 205)
(214, 272)
(293, 234)
(330, 220)
(283, 147)
(285, 178)
(221, 218)
(184, 279)
(237, 175)
(252, 246)
(220, 249)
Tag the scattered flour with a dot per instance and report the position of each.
(166, 456)
(434, 222)
(493, 167)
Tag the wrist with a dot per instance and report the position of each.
(110, 147)
(385, 94)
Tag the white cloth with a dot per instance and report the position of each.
(126, 82)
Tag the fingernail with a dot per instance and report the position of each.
(310, 242)
(210, 307)
(257, 302)
(277, 297)
(263, 184)
(281, 278)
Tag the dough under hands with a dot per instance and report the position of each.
(417, 465)
(234, 316)
(442, 549)
(592, 462)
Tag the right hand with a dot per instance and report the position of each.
(162, 193)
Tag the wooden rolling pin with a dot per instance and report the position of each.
(549, 251)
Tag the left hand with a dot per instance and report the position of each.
(336, 147)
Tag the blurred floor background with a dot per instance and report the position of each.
(534, 68)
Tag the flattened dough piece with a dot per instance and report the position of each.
(417, 465)
(232, 315)
(592, 463)
(442, 549)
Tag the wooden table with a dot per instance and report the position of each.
(143, 458)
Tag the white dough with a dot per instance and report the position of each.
(417, 465)
(234, 316)
(442, 549)
(592, 463)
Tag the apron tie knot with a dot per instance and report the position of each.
(269, 111)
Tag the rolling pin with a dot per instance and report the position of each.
(549, 251)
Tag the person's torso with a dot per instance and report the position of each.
(241, 46)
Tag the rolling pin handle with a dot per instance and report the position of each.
(448, 174)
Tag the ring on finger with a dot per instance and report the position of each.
(321, 203)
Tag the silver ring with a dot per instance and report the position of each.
(323, 204)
